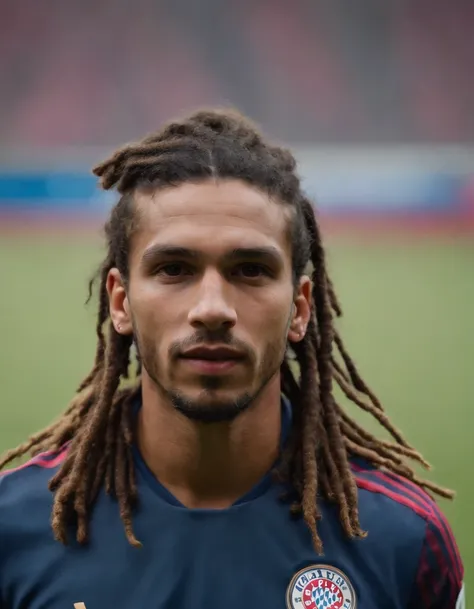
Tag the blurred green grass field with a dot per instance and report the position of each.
(408, 322)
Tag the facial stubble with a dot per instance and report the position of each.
(207, 407)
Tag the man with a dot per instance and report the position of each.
(211, 470)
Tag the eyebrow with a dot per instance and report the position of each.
(168, 251)
(268, 253)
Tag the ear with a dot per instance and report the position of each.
(301, 312)
(119, 306)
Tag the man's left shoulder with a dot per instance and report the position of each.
(404, 516)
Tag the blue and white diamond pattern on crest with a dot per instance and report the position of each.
(324, 599)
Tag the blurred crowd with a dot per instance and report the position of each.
(99, 72)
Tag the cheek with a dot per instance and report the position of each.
(268, 319)
(153, 317)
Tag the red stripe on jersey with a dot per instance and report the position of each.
(430, 511)
(50, 463)
(426, 507)
(421, 581)
(375, 487)
(412, 489)
(41, 460)
(433, 542)
(438, 517)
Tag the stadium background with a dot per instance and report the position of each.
(377, 99)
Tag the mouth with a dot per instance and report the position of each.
(212, 360)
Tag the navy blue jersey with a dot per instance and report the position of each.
(253, 555)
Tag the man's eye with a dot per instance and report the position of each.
(251, 270)
(174, 269)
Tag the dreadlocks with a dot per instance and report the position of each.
(97, 428)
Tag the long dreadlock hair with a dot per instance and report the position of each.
(98, 426)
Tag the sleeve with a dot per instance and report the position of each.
(439, 582)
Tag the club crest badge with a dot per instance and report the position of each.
(320, 587)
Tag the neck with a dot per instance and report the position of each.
(209, 465)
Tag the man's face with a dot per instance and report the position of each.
(210, 297)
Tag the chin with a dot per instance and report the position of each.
(210, 407)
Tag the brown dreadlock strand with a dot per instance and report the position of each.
(98, 427)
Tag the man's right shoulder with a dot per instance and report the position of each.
(24, 492)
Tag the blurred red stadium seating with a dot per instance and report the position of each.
(100, 72)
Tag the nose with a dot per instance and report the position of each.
(212, 308)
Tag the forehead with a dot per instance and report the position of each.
(210, 216)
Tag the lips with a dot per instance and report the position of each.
(211, 361)
(212, 354)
